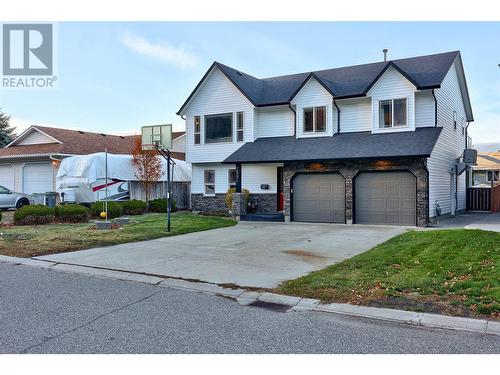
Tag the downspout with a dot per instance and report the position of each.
(435, 109)
(338, 116)
(294, 120)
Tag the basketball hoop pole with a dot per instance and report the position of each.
(165, 153)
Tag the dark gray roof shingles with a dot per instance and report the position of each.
(360, 145)
(425, 71)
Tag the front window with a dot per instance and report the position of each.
(219, 128)
(314, 120)
(393, 113)
(197, 130)
(231, 177)
(4, 190)
(239, 127)
(209, 182)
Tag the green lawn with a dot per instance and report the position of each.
(454, 272)
(27, 241)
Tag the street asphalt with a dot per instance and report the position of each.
(46, 311)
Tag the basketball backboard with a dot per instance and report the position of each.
(157, 136)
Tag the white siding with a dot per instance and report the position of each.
(313, 94)
(217, 95)
(7, 176)
(424, 109)
(355, 115)
(392, 85)
(221, 177)
(35, 137)
(274, 122)
(448, 148)
(253, 175)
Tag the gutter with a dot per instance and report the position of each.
(435, 108)
(338, 115)
(294, 120)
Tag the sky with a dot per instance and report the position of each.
(115, 77)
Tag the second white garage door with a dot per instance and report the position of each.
(385, 198)
(37, 178)
(7, 176)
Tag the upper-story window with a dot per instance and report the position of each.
(239, 126)
(197, 132)
(462, 125)
(455, 120)
(393, 113)
(219, 128)
(314, 120)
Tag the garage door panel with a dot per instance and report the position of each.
(385, 198)
(37, 178)
(319, 198)
(7, 176)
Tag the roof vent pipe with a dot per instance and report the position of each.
(385, 50)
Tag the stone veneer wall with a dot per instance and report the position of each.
(349, 169)
(266, 203)
(216, 204)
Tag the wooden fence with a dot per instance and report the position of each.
(495, 198)
(479, 199)
(484, 199)
(181, 192)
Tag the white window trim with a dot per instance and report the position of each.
(393, 128)
(314, 131)
(205, 194)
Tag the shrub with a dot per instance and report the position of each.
(134, 207)
(34, 215)
(0, 216)
(72, 213)
(115, 209)
(160, 205)
(229, 198)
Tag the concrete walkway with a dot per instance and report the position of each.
(249, 254)
(472, 220)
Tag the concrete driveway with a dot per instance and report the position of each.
(472, 220)
(248, 254)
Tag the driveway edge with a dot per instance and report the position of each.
(297, 304)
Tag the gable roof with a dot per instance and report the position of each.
(341, 146)
(488, 161)
(425, 72)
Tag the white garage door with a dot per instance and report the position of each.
(37, 178)
(7, 176)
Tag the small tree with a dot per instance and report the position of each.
(147, 166)
(6, 131)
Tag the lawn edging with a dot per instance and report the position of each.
(247, 297)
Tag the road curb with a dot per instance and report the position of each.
(246, 297)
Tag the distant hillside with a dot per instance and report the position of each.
(487, 147)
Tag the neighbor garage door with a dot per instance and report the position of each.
(319, 198)
(385, 198)
(7, 176)
(37, 178)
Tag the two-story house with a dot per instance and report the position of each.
(375, 143)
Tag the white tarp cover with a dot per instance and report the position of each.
(90, 168)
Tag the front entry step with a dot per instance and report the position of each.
(280, 218)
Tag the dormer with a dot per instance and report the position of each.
(393, 102)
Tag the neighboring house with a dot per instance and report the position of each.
(30, 162)
(487, 169)
(375, 143)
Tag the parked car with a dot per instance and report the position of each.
(10, 199)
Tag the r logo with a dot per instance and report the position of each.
(27, 49)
